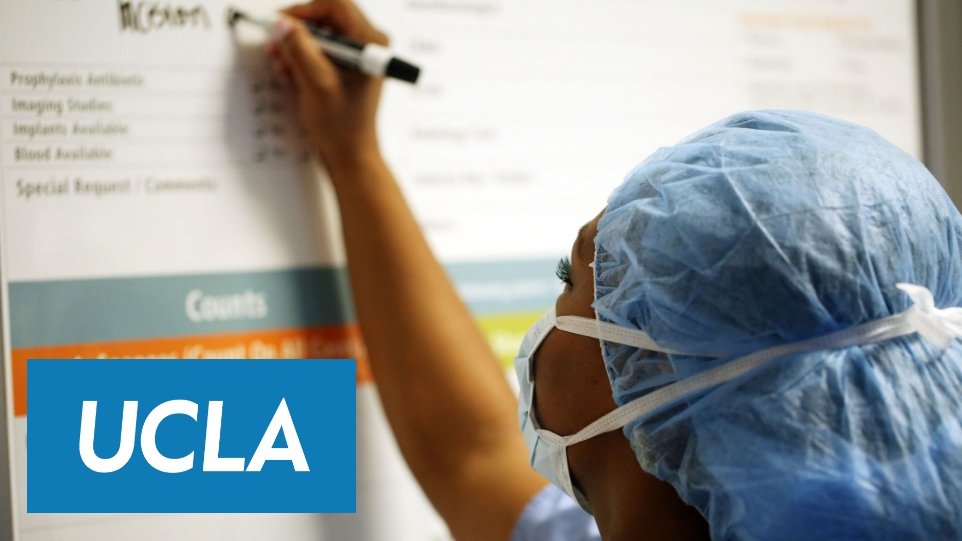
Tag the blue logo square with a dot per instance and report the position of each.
(176, 436)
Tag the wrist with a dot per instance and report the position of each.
(349, 157)
(352, 167)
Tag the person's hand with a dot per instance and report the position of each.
(336, 106)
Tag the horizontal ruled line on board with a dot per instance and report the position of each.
(319, 342)
(129, 165)
(114, 117)
(133, 66)
(137, 93)
(118, 141)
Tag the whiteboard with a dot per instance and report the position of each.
(153, 178)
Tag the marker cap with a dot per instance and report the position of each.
(400, 69)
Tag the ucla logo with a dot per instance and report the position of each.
(281, 422)
(191, 436)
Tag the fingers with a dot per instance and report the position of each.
(343, 16)
(302, 56)
(279, 68)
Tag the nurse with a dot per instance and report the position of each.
(756, 337)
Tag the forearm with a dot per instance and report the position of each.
(443, 391)
(444, 394)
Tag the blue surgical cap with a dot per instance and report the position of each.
(768, 228)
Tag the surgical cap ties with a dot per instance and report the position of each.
(939, 326)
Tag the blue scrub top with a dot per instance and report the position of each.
(552, 516)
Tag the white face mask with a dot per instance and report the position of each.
(548, 451)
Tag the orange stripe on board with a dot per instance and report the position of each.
(325, 342)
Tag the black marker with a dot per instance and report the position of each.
(368, 58)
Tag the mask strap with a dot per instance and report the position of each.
(610, 332)
(940, 326)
